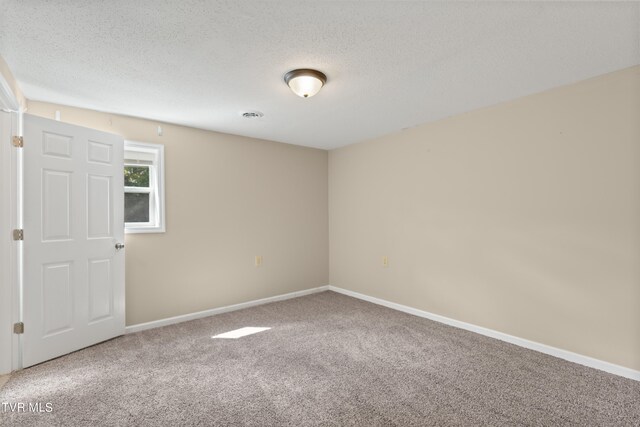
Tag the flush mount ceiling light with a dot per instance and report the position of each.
(305, 82)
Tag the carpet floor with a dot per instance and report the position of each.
(328, 359)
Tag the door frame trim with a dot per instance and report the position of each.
(11, 252)
(8, 99)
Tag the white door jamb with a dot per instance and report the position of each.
(10, 218)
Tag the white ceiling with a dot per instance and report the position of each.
(390, 65)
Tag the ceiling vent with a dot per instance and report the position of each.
(252, 114)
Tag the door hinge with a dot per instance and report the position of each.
(18, 234)
(17, 141)
(18, 328)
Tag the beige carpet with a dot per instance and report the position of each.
(327, 360)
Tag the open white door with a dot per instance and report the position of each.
(73, 283)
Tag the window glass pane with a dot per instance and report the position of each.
(136, 176)
(136, 207)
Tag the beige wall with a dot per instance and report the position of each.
(228, 198)
(523, 217)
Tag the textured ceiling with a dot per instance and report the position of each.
(390, 65)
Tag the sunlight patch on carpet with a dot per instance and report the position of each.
(242, 332)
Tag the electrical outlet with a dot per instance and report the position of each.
(385, 261)
(258, 260)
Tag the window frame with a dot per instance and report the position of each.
(150, 190)
(155, 190)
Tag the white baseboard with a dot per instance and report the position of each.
(532, 345)
(206, 313)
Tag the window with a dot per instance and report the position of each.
(143, 187)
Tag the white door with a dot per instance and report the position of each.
(73, 283)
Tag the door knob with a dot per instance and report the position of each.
(119, 246)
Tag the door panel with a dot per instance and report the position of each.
(100, 290)
(98, 206)
(57, 294)
(73, 283)
(56, 201)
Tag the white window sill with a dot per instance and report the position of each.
(143, 229)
